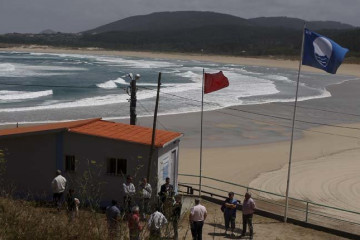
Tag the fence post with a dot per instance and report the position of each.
(307, 211)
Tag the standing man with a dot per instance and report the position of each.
(58, 186)
(112, 216)
(134, 224)
(229, 208)
(248, 209)
(129, 192)
(176, 213)
(156, 221)
(197, 217)
(145, 192)
(166, 190)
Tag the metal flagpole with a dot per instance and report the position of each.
(201, 130)
(292, 129)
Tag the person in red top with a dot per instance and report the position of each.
(134, 224)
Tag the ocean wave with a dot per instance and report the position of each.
(23, 70)
(195, 77)
(125, 62)
(7, 67)
(322, 94)
(111, 84)
(279, 78)
(84, 102)
(22, 95)
(138, 63)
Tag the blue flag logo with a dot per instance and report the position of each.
(321, 52)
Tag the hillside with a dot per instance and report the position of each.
(195, 32)
(163, 21)
(296, 23)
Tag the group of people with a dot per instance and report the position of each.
(137, 208)
(168, 207)
(58, 185)
(198, 214)
(229, 209)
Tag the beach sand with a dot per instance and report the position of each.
(253, 150)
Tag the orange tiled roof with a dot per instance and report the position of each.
(125, 132)
(46, 127)
(101, 128)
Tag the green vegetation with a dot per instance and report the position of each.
(199, 32)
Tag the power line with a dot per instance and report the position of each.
(141, 105)
(208, 103)
(95, 87)
(322, 110)
(275, 124)
(262, 114)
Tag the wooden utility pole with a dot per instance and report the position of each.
(133, 102)
(154, 128)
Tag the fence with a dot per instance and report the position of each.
(299, 209)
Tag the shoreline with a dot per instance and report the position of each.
(346, 69)
(240, 150)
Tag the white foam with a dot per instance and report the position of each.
(195, 77)
(111, 84)
(138, 63)
(22, 95)
(279, 78)
(323, 94)
(7, 67)
(23, 70)
(132, 63)
(107, 85)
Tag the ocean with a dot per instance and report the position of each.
(44, 87)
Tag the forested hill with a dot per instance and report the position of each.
(162, 21)
(199, 32)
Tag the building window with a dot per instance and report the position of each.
(70, 163)
(116, 166)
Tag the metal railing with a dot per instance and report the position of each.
(300, 209)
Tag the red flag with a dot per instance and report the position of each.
(214, 82)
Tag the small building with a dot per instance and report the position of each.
(94, 155)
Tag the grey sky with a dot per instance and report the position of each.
(80, 15)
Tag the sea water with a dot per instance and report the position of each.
(44, 87)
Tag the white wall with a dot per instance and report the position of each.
(168, 167)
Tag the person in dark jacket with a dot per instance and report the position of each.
(175, 218)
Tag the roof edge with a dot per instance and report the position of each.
(173, 140)
(82, 124)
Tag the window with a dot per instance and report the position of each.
(116, 166)
(70, 163)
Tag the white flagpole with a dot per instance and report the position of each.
(201, 130)
(292, 130)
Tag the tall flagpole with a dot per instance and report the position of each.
(292, 129)
(201, 130)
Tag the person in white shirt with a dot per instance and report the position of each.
(58, 186)
(156, 221)
(197, 217)
(129, 192)
(145, 193)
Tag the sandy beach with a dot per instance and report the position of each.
(253, 150)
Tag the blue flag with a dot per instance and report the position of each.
(321, 52)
